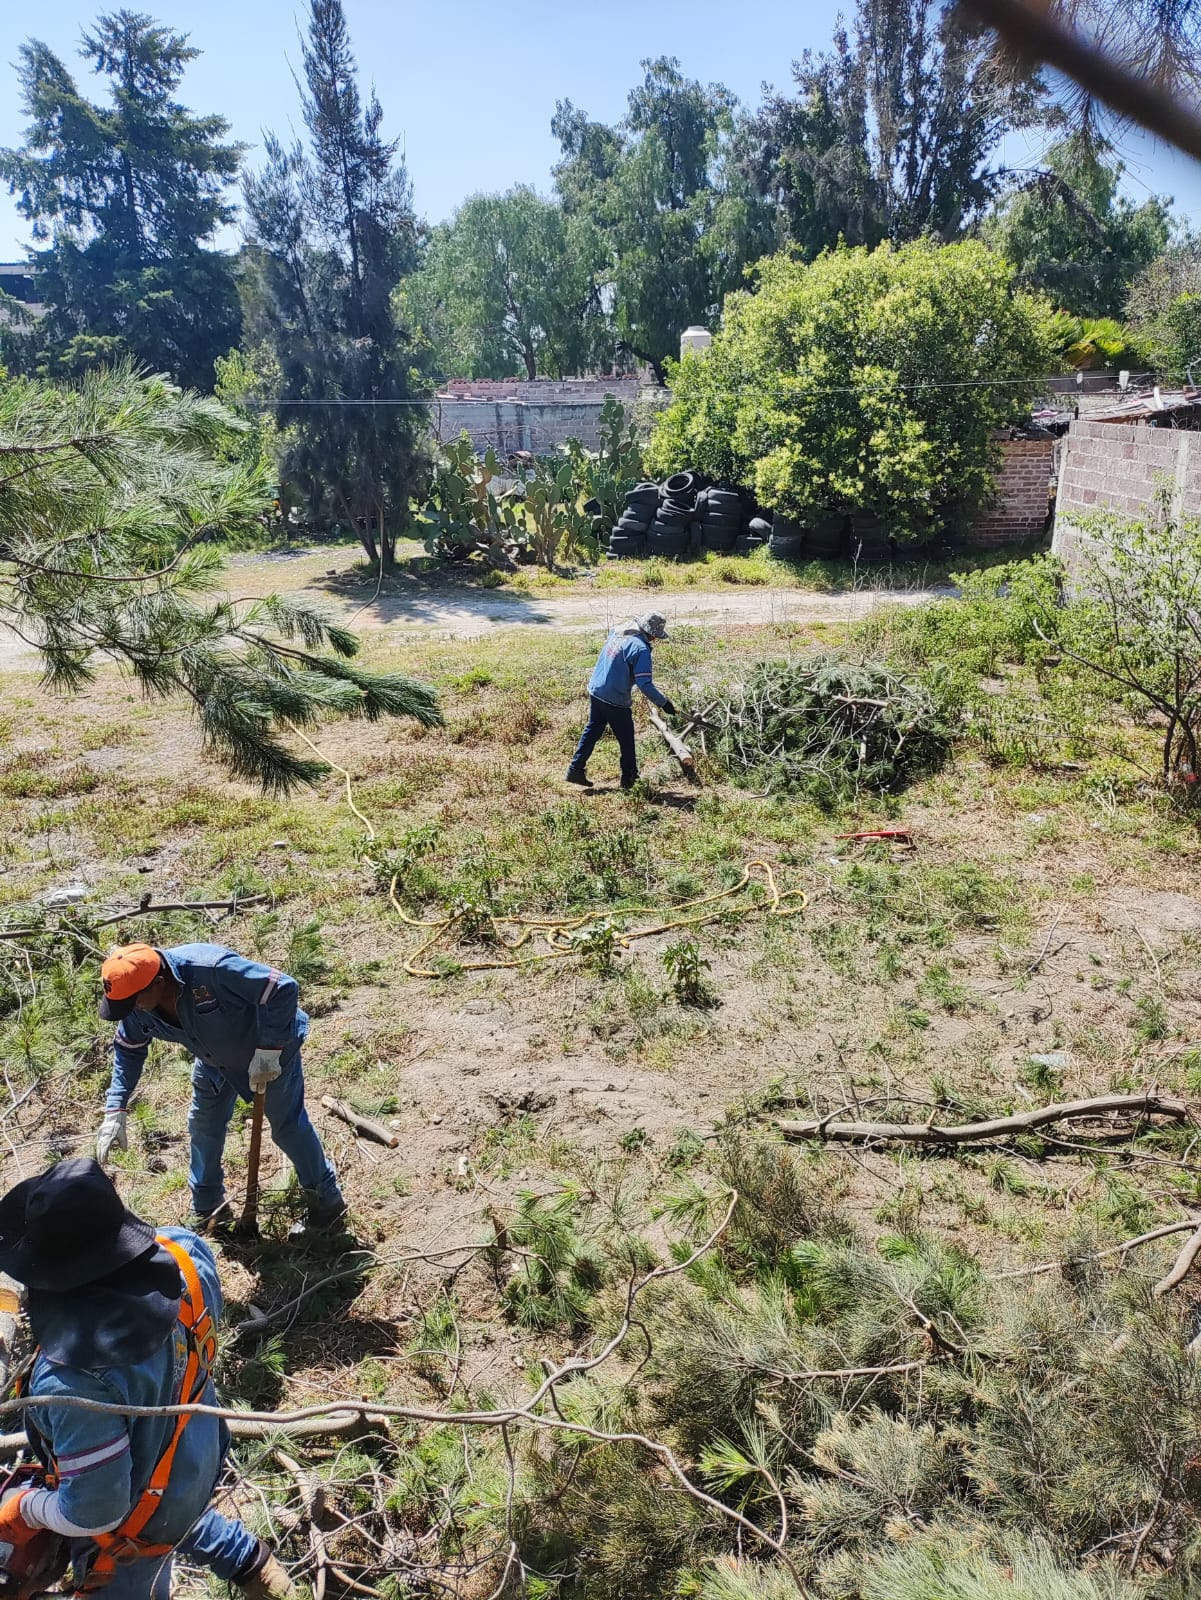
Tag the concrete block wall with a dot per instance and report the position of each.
(506, 415)
(543, 391)
(1120, 468)
(1022, 497)
(507, 426)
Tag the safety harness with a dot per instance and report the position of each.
(125, 1543)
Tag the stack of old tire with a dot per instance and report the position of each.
(718, 519)
(670, 533)
(821, 539)
(629, 536)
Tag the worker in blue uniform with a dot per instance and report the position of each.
(624, 665)
(243, 1024)
(123, 1316)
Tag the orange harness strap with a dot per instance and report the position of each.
(124, 1543)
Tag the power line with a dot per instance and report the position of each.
(791, 390)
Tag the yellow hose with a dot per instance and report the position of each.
(781, 903)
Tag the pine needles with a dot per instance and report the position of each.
(115, 501)
(828, 727)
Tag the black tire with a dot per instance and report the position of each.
(724, 522)
(646, 487)
(682, 483)
(668, 542)
(629, 523)
(725, 499)
(747, 543)
(672, 517)
(827, 538)
(869, 539)
(720, 540)
(626, 544)
(760, 526)
(787, 547)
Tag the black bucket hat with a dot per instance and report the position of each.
(68, 1227)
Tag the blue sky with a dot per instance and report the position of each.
(469, 87)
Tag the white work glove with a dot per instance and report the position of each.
(113, 1131)
(264, 1069)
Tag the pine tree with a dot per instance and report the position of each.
(331, 234)
(113, 497)
(126, 198)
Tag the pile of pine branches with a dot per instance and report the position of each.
(829, 727)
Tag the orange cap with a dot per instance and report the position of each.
(125, 974)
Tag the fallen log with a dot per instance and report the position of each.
(674, 743)
(364, 1125)
(1137, 1105)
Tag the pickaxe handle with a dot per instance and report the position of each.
(250, 1211)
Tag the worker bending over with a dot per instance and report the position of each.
(244, 1026)
(126, 1316)
(623, 666)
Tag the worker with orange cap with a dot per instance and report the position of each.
(243, 1024)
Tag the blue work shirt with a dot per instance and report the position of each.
(105, 1461)
(228, 1008)
(623, 664)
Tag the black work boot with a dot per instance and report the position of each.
(215, 1223)
(575, 776)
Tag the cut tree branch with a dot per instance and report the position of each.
(1181, 1268)
(364, 1125)
(1139, 1105)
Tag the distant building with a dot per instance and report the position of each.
(19, 282)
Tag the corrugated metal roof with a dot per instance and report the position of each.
(1148, 403)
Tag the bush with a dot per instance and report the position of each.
(818, 392)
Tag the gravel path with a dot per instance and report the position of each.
(413, 608)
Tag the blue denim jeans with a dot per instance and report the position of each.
(621, 720)
(223, 1546)
(214, 1094)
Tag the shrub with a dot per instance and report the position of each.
(818, 392)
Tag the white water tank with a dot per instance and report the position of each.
(695, 338)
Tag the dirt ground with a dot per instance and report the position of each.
(1039, 938)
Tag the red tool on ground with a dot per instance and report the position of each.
(895, 835)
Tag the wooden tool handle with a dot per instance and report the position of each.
(250, 1211)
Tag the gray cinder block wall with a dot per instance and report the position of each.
(1121, 467)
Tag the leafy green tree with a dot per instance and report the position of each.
(125, 197)
(114, 498)
(678, 222)
(330, 236)
(1073, 236)
(891, 135)
(510, 284)
(866, 381)
(1163, 311)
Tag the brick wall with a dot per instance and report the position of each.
(1021, 500)
(1120, 467)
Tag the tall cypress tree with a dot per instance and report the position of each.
(125, 199)
(330, 235)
